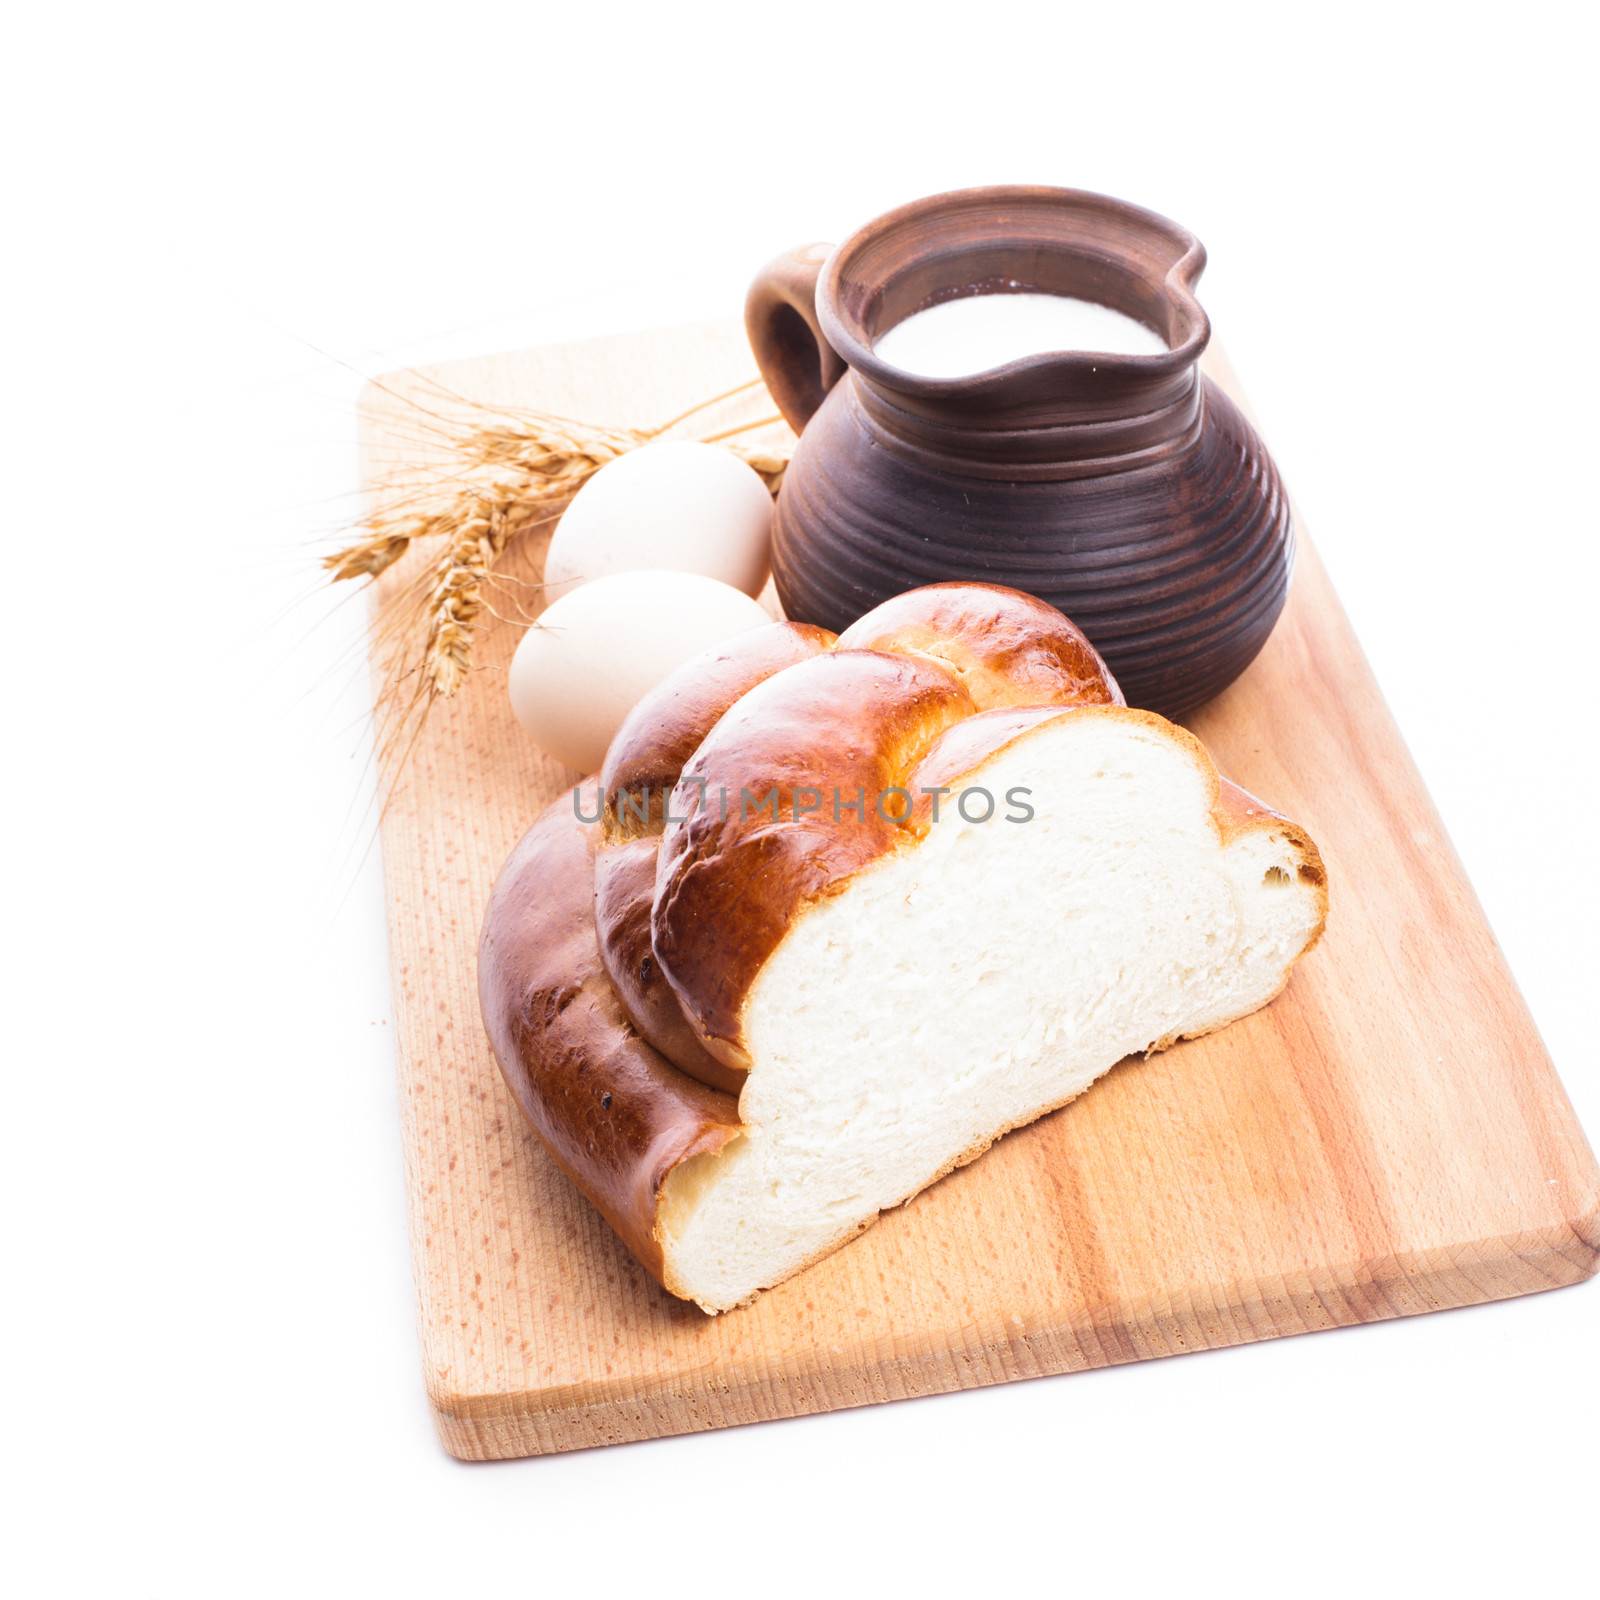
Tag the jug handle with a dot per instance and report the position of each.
(780, 317)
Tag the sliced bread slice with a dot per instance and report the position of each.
(983, 975)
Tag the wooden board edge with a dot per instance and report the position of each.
(548, 1422)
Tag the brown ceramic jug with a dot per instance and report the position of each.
(1125, 489)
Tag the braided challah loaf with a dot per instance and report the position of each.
(852, 909)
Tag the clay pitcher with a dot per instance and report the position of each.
(1125, 489)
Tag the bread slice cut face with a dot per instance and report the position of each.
(982, 973)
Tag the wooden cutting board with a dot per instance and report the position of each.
(1388, 1137)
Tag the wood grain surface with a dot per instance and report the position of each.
(1388, 1137)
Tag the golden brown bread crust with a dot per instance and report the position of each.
(659, 735)
(641, 769)
(615, 1114)
(624, 891)
(1008, 648)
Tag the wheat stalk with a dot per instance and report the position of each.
(508, 474)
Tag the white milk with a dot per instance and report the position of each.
(959, 337)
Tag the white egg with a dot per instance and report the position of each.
(675, 504)
(581, 668)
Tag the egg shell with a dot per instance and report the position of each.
(675, 504)
(594, 653)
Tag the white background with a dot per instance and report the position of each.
(215, 221)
